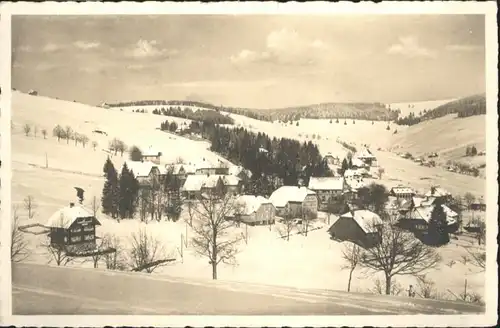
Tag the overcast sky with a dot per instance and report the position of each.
(250, 61)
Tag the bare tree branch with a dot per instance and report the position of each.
(19, 246)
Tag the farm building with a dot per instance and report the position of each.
(72, 225)
(197, 184)
(293, 200)
(331, 159)
(361, 227)
(253, 210)
(438, 193)
(402, 192)
(367, 157)
(146, 173)
(327, 187)
(152, 155)
(417, 219)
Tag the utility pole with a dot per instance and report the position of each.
(46, 161)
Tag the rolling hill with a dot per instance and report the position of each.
(279, 262)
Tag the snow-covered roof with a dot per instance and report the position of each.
(150, 151)
(263, 150)
(402, 190)
(437, 192)
(211, 181)
(281, 196)
(250, 203)
(64, 217)
(355, 184)
(366, 220)
(140, 169)
(230, 180)
(365, 153)
(424, 213)
(194, 182)
(326, 183)
(351, 173)
(417, 201)
(358, 162)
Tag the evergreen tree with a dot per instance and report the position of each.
(110, 192)
(438, 232)
(344, 167)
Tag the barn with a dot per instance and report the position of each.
(293, 200)
(361, 227)
(402, 192)
(72, 225)
(326, 188)
(417, 219)
(254, 210)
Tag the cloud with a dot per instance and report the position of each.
(464, 47)
(284, 47)
(51, 47)
(86, 45)
(149, 49)
(410, 47)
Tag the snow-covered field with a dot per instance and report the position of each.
(314, 261)
(416, 107)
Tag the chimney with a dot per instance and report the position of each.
(71, 204)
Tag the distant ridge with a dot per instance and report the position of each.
(366, 111)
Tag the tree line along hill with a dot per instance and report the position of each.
(364, 111)
(464, 107)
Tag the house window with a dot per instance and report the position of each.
(88, 228)
(76, 239)
(88, 237)
(76, 229)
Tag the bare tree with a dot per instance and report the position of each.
(30, 205)
(58, 253)
(352, 254)
(94, 145)
(27, 129)
(68, 133)
(212, 230)
(288, 223)
(478, 258)
(113, 260)
(381, 172)
(144, 204)
(95, 205)
(77, 137)
(147, 253)
(426, 287)
(35, 130)
(469, 199)
(44, 133)
(19, 246)
(398, 253)
(59, 132)
(84, 140)
(307, 216)
(179, 160)
(190, 210)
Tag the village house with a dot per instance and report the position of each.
(326, 188)
(151, 155)
(361, 227)
(439, 193)
(293, 200)
(402, 192)
(417, 218)
(72, 225)
(146, 173)
(181, 171)
(357, 163)
(253, 210)
(331, 159)
(367, 157)
(196, 185)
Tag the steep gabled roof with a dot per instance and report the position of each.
(140, 169)
(326, 183)
(281, 196)
(250, 204)
(64, 217)
(365, 219)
